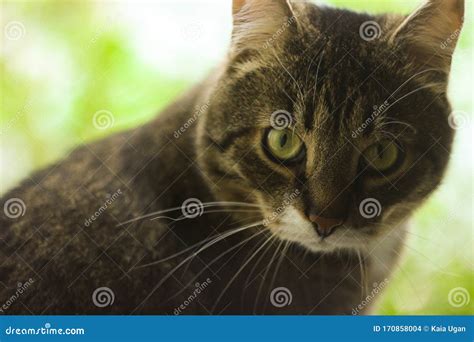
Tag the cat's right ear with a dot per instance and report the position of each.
(260, 24)
(431, 32)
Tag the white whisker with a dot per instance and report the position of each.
(247, 281)
(240, 270)
(265, 276)
(412, 77)
(183, 251)
(396, 122)
(282, 256)
(406, 95)
(205, 205)
(291, 76)
(317, 75)
(207, 245)
(207, 212)
(215, 260)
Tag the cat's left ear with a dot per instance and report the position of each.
(260, 23)
(432, 31)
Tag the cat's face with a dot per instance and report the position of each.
(336, 137)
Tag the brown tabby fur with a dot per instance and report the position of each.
(317, 68)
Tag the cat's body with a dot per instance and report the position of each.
(81, 257)
(70, 255)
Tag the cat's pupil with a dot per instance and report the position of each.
(380, 151)
(283, 140)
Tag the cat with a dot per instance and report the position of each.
(281, 184)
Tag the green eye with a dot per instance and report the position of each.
(284, 144)
(383, 155)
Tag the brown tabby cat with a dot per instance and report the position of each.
(280, 185)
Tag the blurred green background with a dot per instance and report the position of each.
(63, 61)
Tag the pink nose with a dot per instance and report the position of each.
(325, 226)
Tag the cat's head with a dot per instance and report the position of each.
(334, 122)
